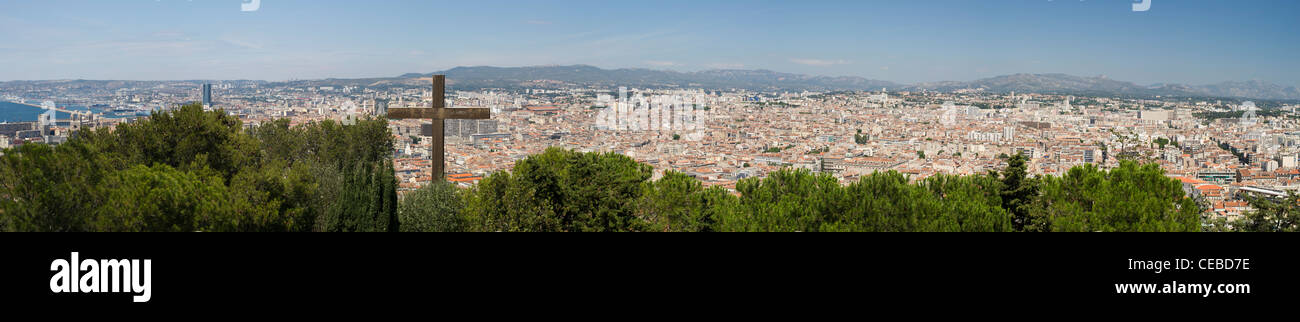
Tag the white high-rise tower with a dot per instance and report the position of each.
(620, 111)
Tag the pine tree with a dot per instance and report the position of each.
(1272, 215)
(1018, 190)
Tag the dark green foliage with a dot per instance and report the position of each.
(1241, 157)
(678, 202)
(161, 198)
(435, 208)
(1211, 116)
(191, 170)
(777, 149)
(786, 200)
(1161, 142)
(801, 201)
(288, 191)
(367, 202)
(561, 190)
(1018, 190)
(325, 176)
(1272, 215)
(188, 139)
(368, 141)
(969, 203)
(542, 194)
(48, 189)
(1128, 198)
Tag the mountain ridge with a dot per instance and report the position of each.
(560, 76)
(762, 79)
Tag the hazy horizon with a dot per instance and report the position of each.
(617, 68)
(1194, 42)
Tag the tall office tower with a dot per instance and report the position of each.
(207, 95)
(642, 109)
(487, 126)
(684, 116)
(1009, 133)
(672, 113)
(666, 116)
(611, 116)
(633, 108)
(467, 128)
(620, 114)
(695, 119)
(451, 128)
(650, 115)
(602, 118)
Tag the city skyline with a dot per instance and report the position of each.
(1188, 42)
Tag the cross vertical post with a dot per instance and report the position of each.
(437, 150)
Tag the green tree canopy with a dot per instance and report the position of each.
(1128, 198)
(189, 169)
(1018, 190)
(561, 190)
(1271, 215)
(436, 207)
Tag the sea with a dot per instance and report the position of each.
(14, 112)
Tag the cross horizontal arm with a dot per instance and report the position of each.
(440, 113)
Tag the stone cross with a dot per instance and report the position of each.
(439, 114)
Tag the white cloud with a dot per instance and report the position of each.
(660, 63)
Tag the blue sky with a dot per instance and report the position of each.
(1180, 41)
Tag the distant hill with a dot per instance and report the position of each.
(1068, 84)
(765, 80)
(513, 78)
(1249, 89)
(1043, 83)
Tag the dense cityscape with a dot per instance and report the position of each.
(324, 156)
(1222, 149)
